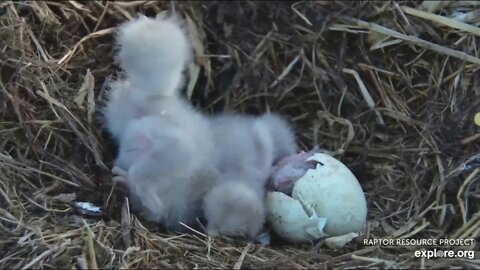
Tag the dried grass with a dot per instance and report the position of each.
(391, 88)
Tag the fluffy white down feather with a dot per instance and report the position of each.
(176, 159)
(233, 208)
(166, 179)
(247, 146)
(154, 52)
(173, 154)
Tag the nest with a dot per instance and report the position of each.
(391, 87)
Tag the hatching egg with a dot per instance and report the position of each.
(325, 201)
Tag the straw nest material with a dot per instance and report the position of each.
(391, 88)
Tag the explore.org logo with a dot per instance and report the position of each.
(476, 119)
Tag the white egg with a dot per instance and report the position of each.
(328, 193)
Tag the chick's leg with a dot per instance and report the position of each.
(145, 195)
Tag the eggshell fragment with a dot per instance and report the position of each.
(338, 242)
(290, 220)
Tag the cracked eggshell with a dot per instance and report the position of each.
(289, 220)
(326, 201)
(335, 194)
